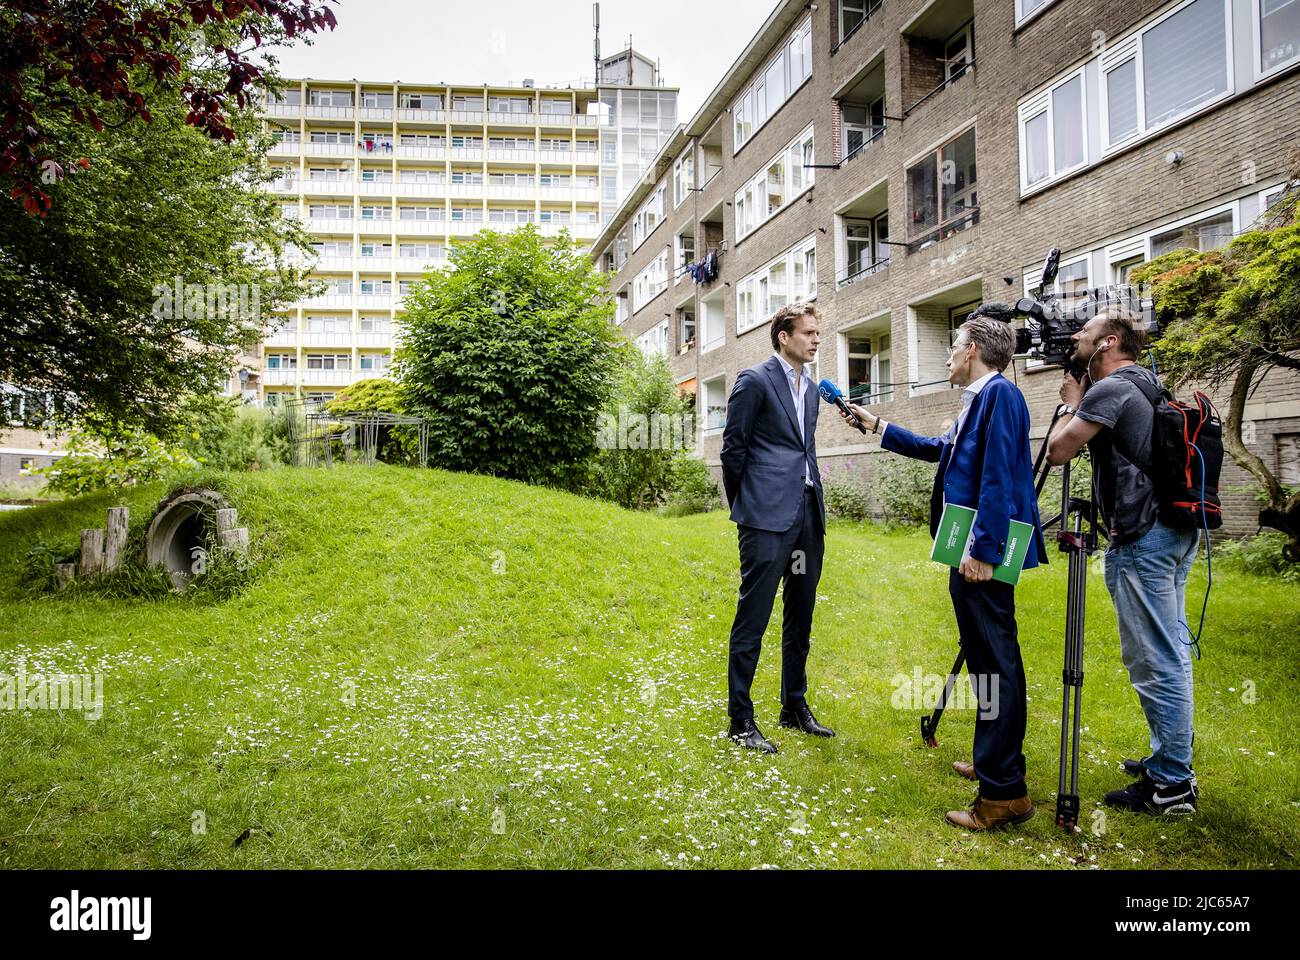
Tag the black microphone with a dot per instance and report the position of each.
(831, 394)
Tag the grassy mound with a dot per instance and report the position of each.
(434, 669)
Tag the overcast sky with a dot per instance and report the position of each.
(549, 41)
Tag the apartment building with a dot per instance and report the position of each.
(900, 161)
(388, 176)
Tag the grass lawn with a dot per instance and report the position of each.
(437, 670)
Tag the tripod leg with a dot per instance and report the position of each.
(930, 722)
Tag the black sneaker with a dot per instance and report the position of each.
(1146, 796)
(1137, 768)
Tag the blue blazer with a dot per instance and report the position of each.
(763, 459)
(991, 469)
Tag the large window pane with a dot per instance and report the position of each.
(1208, 234)
(958, 178)
(923, 193)
(1279, 32)
(1036, 148)
(1121, 101)
(1067, 124)
(1185, 61)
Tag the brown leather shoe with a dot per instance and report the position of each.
(985, 814)
(965, 768)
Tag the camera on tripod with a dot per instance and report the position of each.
(1051, 321)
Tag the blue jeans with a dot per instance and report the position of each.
(1147, 580)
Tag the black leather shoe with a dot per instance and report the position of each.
(801, 718)
(747, 734)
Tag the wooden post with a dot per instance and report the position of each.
(235, 540)
(64, 574)
(92, 552)
(225, 521)
(115, 543)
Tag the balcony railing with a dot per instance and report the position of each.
(968, 219)
(279, 378)
(329, 113)
(422, 116)
(384, 225)
(334, 264)
(285, 148)
(418, 264)
(329, 224)
(328, 149)
(467, 116)
(328, 186)
(380, 187)
(284, 111)
(466, 153)
(333, 338)
(556, 156)
(419, 189)
(284, 185)
(555, 119)
(284, 337)
(416, 152)
(328, 377)
(375, 301)
(464, 228)
(329, 300)
(854, 274)
(503, 192)
(511, 155)
(421, 227)
(511, 118)
(376, 113)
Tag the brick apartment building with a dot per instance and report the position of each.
(898, 161)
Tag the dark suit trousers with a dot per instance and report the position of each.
(765, 558)
(986, 622)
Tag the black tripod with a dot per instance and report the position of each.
(1079, 541)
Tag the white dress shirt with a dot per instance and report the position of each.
(798, 389)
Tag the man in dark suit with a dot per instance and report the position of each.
(985, 463)
(769, 470)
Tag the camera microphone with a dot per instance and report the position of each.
(831, 394)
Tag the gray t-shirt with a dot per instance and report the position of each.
(1121, 450)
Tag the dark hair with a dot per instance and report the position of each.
(996, 340)
(1128, 329)
(783, 320)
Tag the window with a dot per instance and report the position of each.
(1208, 233)
(467, 143)
(648, 216)
(863, 124)
(714, 398)
(467, 214)
(422, 140)
(372, 98)
(685, 244)
(686, 329)
(330, 136)
(329, 361)
(330, 98)
(941, 190)
(784, 178)
(776, 83)
(496, 215)
(868, 247)
(420, 213)
(683, 178)
(421, 176)
(466, 103)
(376, 249)
(376, 212)
(555, 106)
(281, 361)
(1169, 69)
(650, 282)
(791, 276)
(374, 361)
(330, 211)
(420, 101)
(1053, 132)
(1278, 30)
(654, 342)
(472, 178)
(853, 14)
(1027, 8)
(958, 52)
(421, 251)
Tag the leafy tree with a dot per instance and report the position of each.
(1231, 316)
(510, 356)
(88, 314)
(102, 453)
(110, 63)
(642, 434)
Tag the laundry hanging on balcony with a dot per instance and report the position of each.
(706, 269)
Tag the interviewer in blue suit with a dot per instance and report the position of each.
(769, 470)
(985, 463)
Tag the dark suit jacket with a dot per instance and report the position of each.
(991, 469)
(763, 459)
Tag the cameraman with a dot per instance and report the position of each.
(1147, 562)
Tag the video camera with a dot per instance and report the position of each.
(1050, 323)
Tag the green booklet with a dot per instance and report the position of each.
(957, 530)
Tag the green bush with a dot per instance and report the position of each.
(1260, 555)
(692, 488)
(642, 434)
(396, 444)
(510, 356)
(902, 487)
(104, 454)
(222, 432)
(847, 496)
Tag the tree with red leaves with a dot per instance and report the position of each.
(101, 62)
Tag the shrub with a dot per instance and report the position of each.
(510, 357)
(846, 496)
(224, 433)
(1260, 555)
(397, 443)
(107, 454)
(902, 488)
(692, 488)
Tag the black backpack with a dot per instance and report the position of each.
(1186, 457)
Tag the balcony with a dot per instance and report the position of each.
(422, 227)
(497, 117)
(284, 337)
(284, 111)
(467, 116)
(374, 340)
(501, 192)
(337, 378)
(284, 148)
(376, 113)
(555, 119)
(329, 149)
(508, 155)
(418, 264)
(284, 185)
(466, 153)
(329, 225)
(474, 190)
(553, 229)
(586, 120)
(328, 186)
(381, 263)
(279, 378)
(375, 301)
(376, 187)
(587, 157)
(405, 114)
(316, 111)
(463, 228)
(329, 300)
(333, 264)
(419, 189)
(337, 338)
(410, 152)
(375, 225)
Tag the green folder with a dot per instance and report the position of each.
(957, 530)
